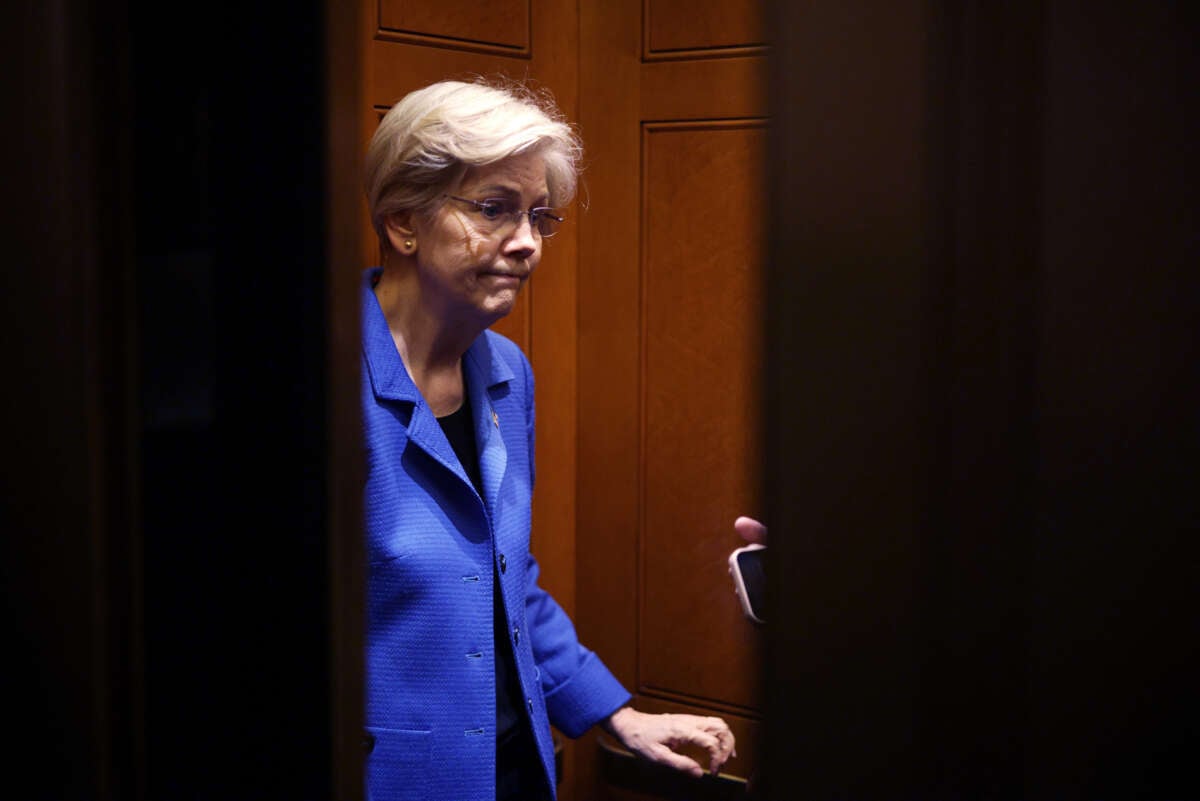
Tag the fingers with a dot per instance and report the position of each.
(655, 736)
(726, 746)
(661, 754)
(723, 744)
(750, 530)
(711, 734)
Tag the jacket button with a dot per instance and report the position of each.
(517, 635)
(368, 742)
(530, 702)
(503, 563)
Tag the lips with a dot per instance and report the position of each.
(501, 275)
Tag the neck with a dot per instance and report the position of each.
(430, 347)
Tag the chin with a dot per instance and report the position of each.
(494, 311)
(499, 305)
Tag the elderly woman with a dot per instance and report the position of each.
(469, 662)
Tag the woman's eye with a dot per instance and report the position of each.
(492, 209)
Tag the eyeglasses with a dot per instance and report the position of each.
(497, 211)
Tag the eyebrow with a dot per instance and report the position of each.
(543, 198)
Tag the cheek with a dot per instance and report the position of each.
(462, 243)
(481, 248)
(475, 248)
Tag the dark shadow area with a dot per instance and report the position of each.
(166, 557)
(230, 278)
(982, 393)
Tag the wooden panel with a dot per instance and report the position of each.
(503, 23)
(728, 88)
(608, 336)
(701, 365)
(606, 545)
(702, 25)
(392, 76)
(668, 345)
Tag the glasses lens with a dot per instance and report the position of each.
(494, 210)
(498, 213)
(546, 222)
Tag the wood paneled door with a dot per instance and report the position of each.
(670, 269)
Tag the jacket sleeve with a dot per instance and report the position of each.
(580, 691)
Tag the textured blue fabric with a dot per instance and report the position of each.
(432, 543)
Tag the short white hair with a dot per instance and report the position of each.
(426, 143)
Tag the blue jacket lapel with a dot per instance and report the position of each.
(485, 375)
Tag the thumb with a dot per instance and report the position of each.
(750, 530)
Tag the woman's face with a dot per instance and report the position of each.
(472, 269)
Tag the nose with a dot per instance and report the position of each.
(522, 241)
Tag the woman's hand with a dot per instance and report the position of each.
(654, 737)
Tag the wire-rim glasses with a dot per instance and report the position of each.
(496, 211)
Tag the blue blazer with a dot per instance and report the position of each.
(433, 547)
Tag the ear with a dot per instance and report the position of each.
(400, 232)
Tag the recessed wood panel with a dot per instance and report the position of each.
(702, 267)
(502, 23)
(702, 25)
(708, 89)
